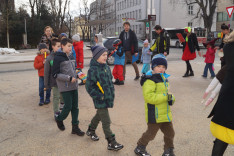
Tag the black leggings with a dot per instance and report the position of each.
(189, 67)
(219, 148)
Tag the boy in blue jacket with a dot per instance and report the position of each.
(119, 63)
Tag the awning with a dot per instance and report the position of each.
(98, 22)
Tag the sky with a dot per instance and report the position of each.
(75, 5)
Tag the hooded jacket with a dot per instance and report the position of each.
(38, 63)
(133, 41)
(210, 55)
(49, 80)
(145, 57)
(64, 70)
(119, 56)
(100, 73)
(78, 46)
(99, 36)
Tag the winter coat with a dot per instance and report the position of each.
(210, 55)
(192, 43)
(145, 57)
(63, 71)
(162, 43)
(46, 40)
(49, 80)
(119, 56)
(100, 43)
(133, 41)
(78, 46)
(155, 89)
(38, 63)
(100, 73)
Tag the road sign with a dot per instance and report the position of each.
(152, 17)
(147, 24)
(147, 30)
(230, 11)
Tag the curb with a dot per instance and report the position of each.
(10, 62)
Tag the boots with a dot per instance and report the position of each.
(140, 150)
(113, 145)
(219, 148)
(169, 152)
(91, 132)
(116, 81)
(186, 74)
(76, 130)
(120, 83)
(60, 125)
(191, 73)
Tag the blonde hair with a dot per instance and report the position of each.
(50, 29)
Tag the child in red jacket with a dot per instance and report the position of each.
(39, 65)
(210, 57)
(78, 46)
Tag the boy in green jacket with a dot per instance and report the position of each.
(100, 87)
(157, 109)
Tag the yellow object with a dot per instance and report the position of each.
(222, 133)
(45, 55)
(221, 34)
(100, 87)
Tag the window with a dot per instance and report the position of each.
(139, 2)
(128, 15)
(190, 9)
(220, 17)
(122, 5)
(133, 14)
(190, 24)
(136, 14)
(127, 3)
(225, 16)
(136, 29)
(140, 14)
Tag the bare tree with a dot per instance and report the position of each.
(206, 10)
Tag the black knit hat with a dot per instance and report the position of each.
(42, 46)
(98, 51)
(158, 60)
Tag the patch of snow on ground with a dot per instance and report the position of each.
(8, 51)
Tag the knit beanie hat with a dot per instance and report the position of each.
(98, 51)
(146, 41)
(63, 34)
(159, 60)
(42, 46)
(76, 37)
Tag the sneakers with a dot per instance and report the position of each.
(76, 130)
(120, 83)
(204, 76)
(41, 103)
(47, 101)
(136, 78)
(116, 81)
(90, 132)
(61, 106)
(113, 145)
(60, 125)
(169, 152)
(140, 150)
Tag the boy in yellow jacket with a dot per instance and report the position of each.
(157, 109)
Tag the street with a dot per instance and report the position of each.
(27, 129)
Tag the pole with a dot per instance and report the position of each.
(231, 21)
(150, 22)
(26, 39)
(115, 17)
(160, 11)
(8, 42)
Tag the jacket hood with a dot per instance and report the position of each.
(153, 77)
(93, 62)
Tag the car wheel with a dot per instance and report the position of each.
(110, 60)
(177, 44)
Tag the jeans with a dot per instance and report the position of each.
(128, 56)
(41, 90)
(209, 66)
(57, 99)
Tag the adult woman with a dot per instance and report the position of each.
(47, 36)
(222, 123)
(189, 50)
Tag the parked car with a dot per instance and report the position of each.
(108, 43)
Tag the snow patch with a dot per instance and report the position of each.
(4, 51)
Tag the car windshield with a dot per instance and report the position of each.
(140, 43)
(109, 43)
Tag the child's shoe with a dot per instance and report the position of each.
(113, 145)
(169, 152)
(41, 103)
(47, 101)
(120, 83)
(60, 125)
(61, 106)
(141, 151)
(90, 132)
(56, 114)
(76, 130)
(116, 81)
(204, 76)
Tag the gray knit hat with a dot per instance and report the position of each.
(98, 51)
(42, 46)
(76, 37)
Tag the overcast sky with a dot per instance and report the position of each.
(75, 5)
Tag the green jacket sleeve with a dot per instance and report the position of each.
(150, 96)
(91, 85)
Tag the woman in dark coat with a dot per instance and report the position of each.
(189, 50)
(222, 123)
(47, 36)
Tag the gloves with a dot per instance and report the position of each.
(171, 99)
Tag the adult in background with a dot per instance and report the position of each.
(130, 46)
(189, 50)
(162, 43)
(47, 36)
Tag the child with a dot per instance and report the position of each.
(100, 87)
(65, 75)
(210, 57)
(158, 112)
(119, 62)
(146, 57)
(39, 65)
(49, 80)
(78, 47)
(98, 39)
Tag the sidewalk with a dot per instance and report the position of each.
(28, 55)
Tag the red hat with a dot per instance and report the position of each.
(212, 42)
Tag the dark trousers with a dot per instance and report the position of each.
(166, 128)
(70, 99)
(103, 116)
(210, 67)
(41, 90)
(219, 148)
(128, 56)
(189, 67)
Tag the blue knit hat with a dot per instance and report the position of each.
(159, 59)
(98, 51)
